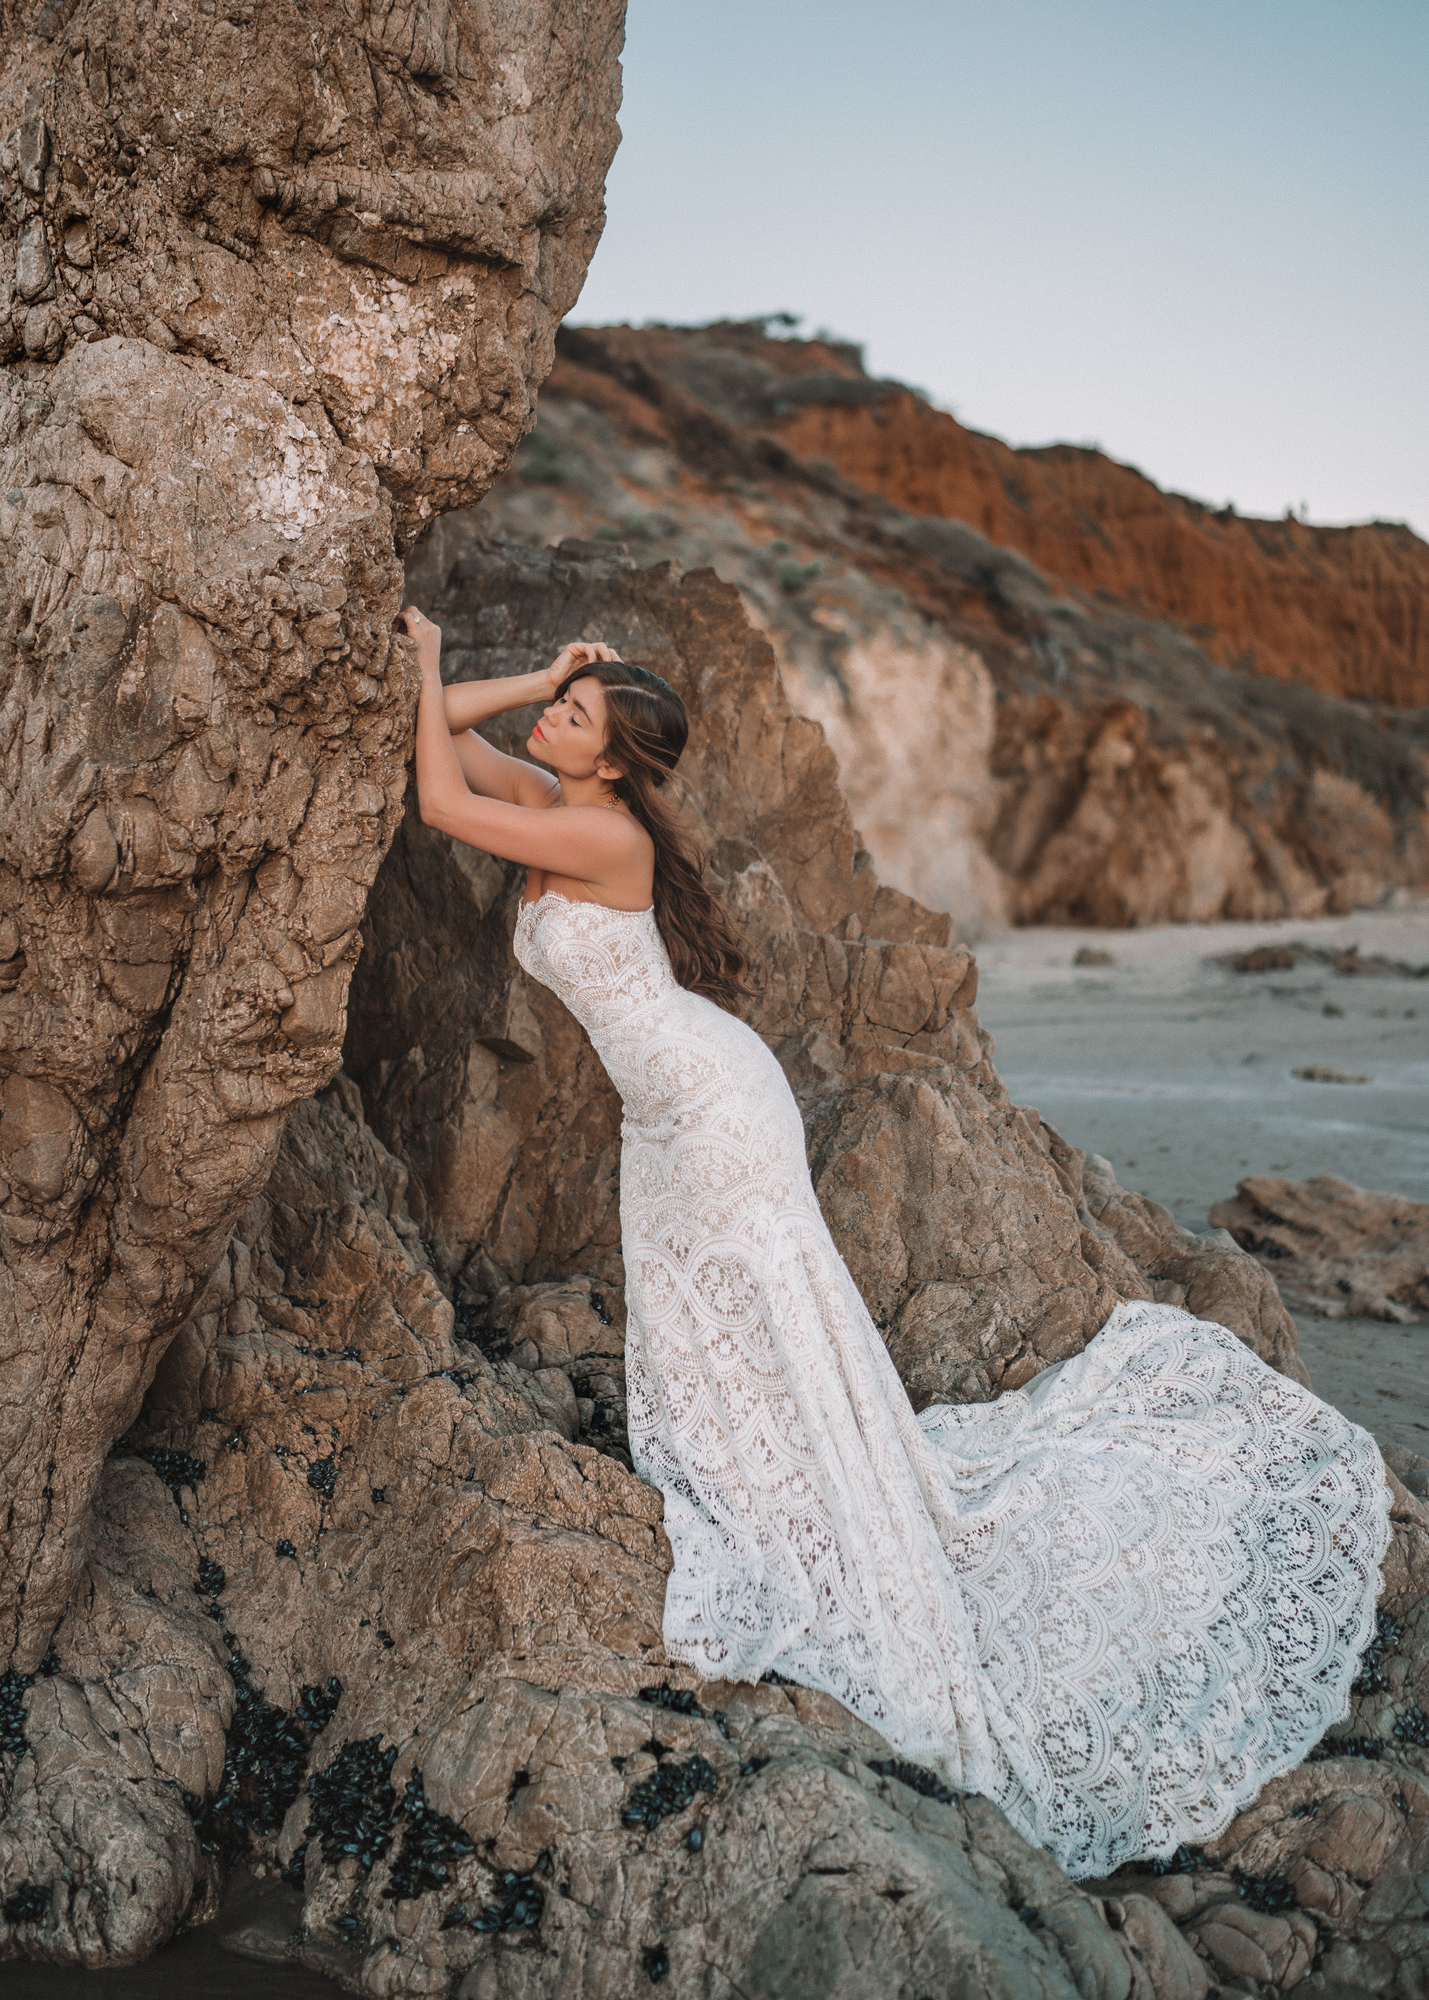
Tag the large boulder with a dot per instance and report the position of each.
(274, 285)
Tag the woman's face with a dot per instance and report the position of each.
(571, 733)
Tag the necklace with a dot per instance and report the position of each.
(611, 803)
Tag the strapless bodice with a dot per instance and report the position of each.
(606, 965)
(677, 1059)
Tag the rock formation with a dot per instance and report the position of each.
(274, 285)
(1011, 746)
(479, 1079)
(1335, 1249)
(365, 1593)
(393, 1629)
(1349, 962)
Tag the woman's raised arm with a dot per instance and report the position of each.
(586, 843)
(487, 771)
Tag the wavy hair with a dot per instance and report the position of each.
(646, 729)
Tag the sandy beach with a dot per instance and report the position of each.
(1181, 1072)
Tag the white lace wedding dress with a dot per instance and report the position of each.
(1116, 1601)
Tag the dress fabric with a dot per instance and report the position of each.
(1116, 1601)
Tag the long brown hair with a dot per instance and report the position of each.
(646, 729)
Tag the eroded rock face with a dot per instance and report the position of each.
(199, 788)
(1332, 607)
(356, 1503)
(385, 211)
(972, 1232)
(1335, 1249)
(394, 1628)
(97, 1830)
(274, 284)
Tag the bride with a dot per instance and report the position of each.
(1116, 1601)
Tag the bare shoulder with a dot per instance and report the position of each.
(637, 839)
(619, 835)
(621, 827)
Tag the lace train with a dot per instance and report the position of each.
(1116, 1601)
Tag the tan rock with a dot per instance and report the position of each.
(267, 327)
(1209, 1273)
(1171, 1964)
(1245, 1943)
(130, 1719)
(1333, 1248)
(1347, 1838)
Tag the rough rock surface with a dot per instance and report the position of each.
(394, 1627)
(365, 1591)
(1010, 746)
(1335, 1249)
(274, 284)
(983, 1246)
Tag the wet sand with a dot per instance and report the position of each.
(1377, 1374)
(1180, 1072)
(194, 1967)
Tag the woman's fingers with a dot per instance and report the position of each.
(428, 636)
(576, 654)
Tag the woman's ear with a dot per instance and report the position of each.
(608, 772)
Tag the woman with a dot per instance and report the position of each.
(1116, 1601)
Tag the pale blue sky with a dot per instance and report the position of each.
(1193, 234)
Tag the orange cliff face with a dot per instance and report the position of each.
(1012, 745)
(1344, 610)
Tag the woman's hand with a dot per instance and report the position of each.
(572, 658)
(427, 635)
